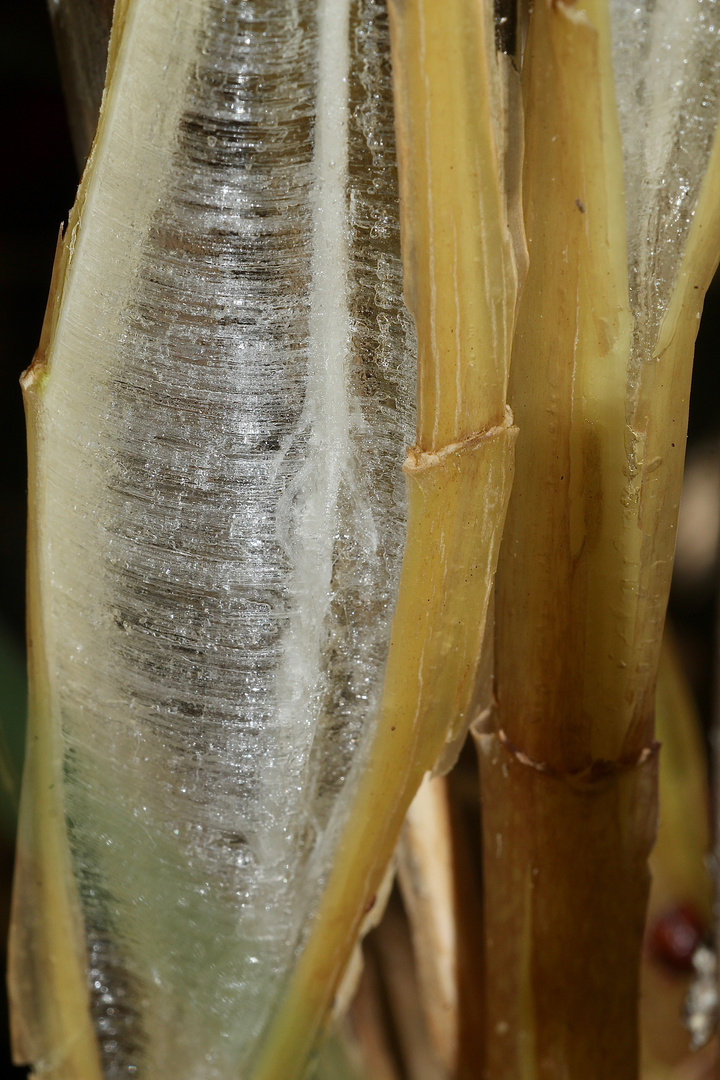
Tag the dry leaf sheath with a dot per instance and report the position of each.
(462, 270)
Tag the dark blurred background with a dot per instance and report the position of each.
(37, 187)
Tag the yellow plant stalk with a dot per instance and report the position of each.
(463, 261)
(569, 769)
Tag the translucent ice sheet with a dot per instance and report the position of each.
(231, 391)
(666, 55)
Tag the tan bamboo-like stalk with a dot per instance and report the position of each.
(463, 262)
(569, 769)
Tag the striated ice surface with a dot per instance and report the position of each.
(232, 389)
(666, 56)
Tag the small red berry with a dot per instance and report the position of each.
(675, 936)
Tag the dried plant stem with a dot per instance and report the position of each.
(446, 567)
(462, 269)
(569, 768)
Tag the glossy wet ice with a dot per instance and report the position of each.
(666, 56)
(230, 396)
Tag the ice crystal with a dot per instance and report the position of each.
(231, 392)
